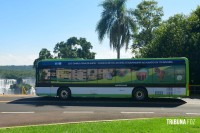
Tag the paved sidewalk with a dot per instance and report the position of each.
(192, 100)
(16, 95)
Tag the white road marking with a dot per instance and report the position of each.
(78, 112)
(17, 112)
(192, 113)
(137, 112)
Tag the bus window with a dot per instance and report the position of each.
(63, 75)
(44, 75)
(79, 75)
(91, 76)
(106, 76)
(163, 74)
(123, 75)
(142, 75)
(180, 74)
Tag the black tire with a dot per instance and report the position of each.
(64, 93)
(140, 94)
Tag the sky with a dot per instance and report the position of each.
(27, 26)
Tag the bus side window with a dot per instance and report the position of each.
(123, 75)
(141, 74)
(180, 74)
(106, 75)
(91, 76)
(163, 74)
(79, 75)
(44, 74)
(62, 75)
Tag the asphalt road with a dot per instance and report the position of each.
(29, 110)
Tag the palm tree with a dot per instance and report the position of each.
(117, 23)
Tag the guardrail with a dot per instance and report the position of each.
(194, 90)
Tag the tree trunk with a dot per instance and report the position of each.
(118, 40)
(118, 52)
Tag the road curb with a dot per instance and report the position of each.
(12, 95)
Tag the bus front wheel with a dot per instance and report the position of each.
(140, 94)
(64, 93)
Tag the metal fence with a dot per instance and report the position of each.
(195, 90)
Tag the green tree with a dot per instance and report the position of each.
(179, 36)
(15, 72)
(66, 49)
(117, 23)
(43, 54)
(194, 43)
(148, 17)
(74, 48)
(84, 50)
(170, 39)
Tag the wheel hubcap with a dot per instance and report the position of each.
(139, 95)
(64, 94)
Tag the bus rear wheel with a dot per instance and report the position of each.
(140, 94)
(64, 93)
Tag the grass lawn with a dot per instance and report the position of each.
(154, 125)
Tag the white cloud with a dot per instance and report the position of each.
(16, 59)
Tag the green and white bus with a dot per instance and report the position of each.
(137, 78)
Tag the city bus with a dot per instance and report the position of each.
(136, 78)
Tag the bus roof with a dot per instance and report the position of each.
(85, 63)
(81, 59)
